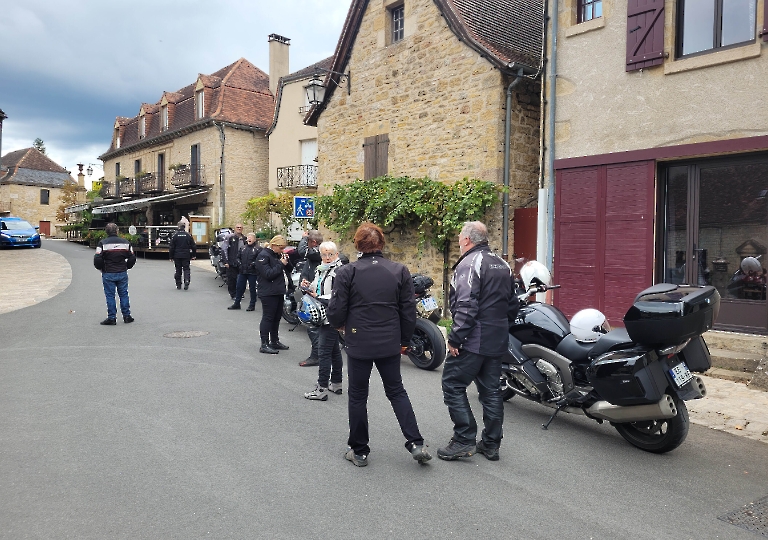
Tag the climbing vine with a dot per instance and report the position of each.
(435, 210)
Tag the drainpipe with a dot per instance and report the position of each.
(548, 256)
(507, 133)
(222, 191)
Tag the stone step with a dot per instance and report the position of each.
(734, 341)
(745, 362)
(729, 375)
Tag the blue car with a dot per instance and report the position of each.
(15, 232)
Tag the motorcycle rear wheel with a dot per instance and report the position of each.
(427, 349)
(658, 436)
(290, 316)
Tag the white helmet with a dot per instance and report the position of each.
(588, 325)
(751, 264)
(535, 270)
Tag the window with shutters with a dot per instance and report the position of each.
(706, 25)
(588, 10)
(376, 156)
(645, 34)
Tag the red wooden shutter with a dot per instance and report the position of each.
(645, 33)
(382, 154)
(369, 160)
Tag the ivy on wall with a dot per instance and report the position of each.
(435, 210)
(259, 212)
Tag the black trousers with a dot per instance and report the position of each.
(271, 311)
(485, 372)
(359, 379)
(329, 356)
(182, 265)
(232, 274)
(242, 281)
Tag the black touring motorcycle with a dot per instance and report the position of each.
(637, 378)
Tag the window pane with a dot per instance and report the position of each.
(598, 8)
(676, 225)
(698, 25)
(738, 21)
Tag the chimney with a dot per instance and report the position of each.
(278, 60)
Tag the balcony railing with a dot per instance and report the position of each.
(297, 176)
(109, 190)
(188, 176)
(152, 183)
(129, 187)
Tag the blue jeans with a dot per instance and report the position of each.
(485, 371)
(116, 281)
(242, 281)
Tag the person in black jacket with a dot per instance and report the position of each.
(248, 272)
(273, 267)
(114, 256)
(483, 305)
(373, 301)
(232, 246)
(181, 249)
(309, 250)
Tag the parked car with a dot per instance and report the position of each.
(14, 231)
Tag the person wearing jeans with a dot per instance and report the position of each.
(248, 272)
(114, 256)
(329, 353)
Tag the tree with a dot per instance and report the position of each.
(68, 198)
(39, 145)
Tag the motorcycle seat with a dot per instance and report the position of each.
(583, 352)
(615, 339)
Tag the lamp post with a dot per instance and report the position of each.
(316, 88)
(2, 117)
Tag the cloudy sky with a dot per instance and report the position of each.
(69, 67)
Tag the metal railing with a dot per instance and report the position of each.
(152, 183)
(129, 187)
(297, 176)
(109, 190)
(188, 176)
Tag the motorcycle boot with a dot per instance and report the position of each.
(455, 450)
(266, 349)
(491, 454)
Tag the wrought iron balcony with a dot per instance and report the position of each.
(152, 183)
(297, 176)
(129, 187)
(109, 190)
(188, 176)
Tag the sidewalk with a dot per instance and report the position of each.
(729, 406)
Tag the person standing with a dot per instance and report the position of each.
(309, 251)
(248, 272)
(114, 257)
(182, 248)
(272, 266)
(329, 353)
(373, 301)
(482, 304)
(232, 247)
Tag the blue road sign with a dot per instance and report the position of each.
(303, 207)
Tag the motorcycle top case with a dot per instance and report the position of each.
(668, 314)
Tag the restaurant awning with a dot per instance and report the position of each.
(126, 206)
(77, 208)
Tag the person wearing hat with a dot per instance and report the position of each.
(274, 268)
(182, 249)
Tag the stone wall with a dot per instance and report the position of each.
(442, 106)
(25, 203)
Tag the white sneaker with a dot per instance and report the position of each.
(319, 394)
(335, 387)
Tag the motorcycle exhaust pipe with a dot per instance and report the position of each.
(693, 390)
(619, 414)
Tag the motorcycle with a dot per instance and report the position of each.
(293, 296)
(637, 378)
(214, 252)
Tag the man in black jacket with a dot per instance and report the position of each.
(114, 256)
(182, 249)
(229, 252)
(248, 272)
(309, 250)
(482, 303)
(373, 300)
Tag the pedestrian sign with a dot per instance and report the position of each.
(304, 207)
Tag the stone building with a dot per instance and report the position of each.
(31, 187)
(200, 150)
(659, 153)
(423, 93)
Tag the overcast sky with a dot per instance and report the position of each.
(68, 68)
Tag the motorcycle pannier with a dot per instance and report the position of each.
(696, 355)
(628, 377)
(668, 314)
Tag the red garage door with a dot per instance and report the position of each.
(604, 237)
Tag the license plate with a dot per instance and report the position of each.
(429, 303)
(681, 374)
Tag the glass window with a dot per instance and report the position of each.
(164, 116)
(589, 9)
(45, 195)
(710, 24)
(142, 127)
(200, 104)
(398, 23)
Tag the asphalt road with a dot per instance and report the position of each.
(122, 432)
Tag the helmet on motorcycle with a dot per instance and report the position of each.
(534, 270)
(588, 325)
(751, 264)
(312, 312)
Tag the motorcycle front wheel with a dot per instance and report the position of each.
(427, 349)
(289, 313)
(658, 436)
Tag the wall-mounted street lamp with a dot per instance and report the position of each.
(316, 88)
(89, 170)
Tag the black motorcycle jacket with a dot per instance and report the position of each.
(114, 255)
(247, 257)
(232, 247)
(373, 300)
(482, 302)
(272, 273)
(182, 246)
